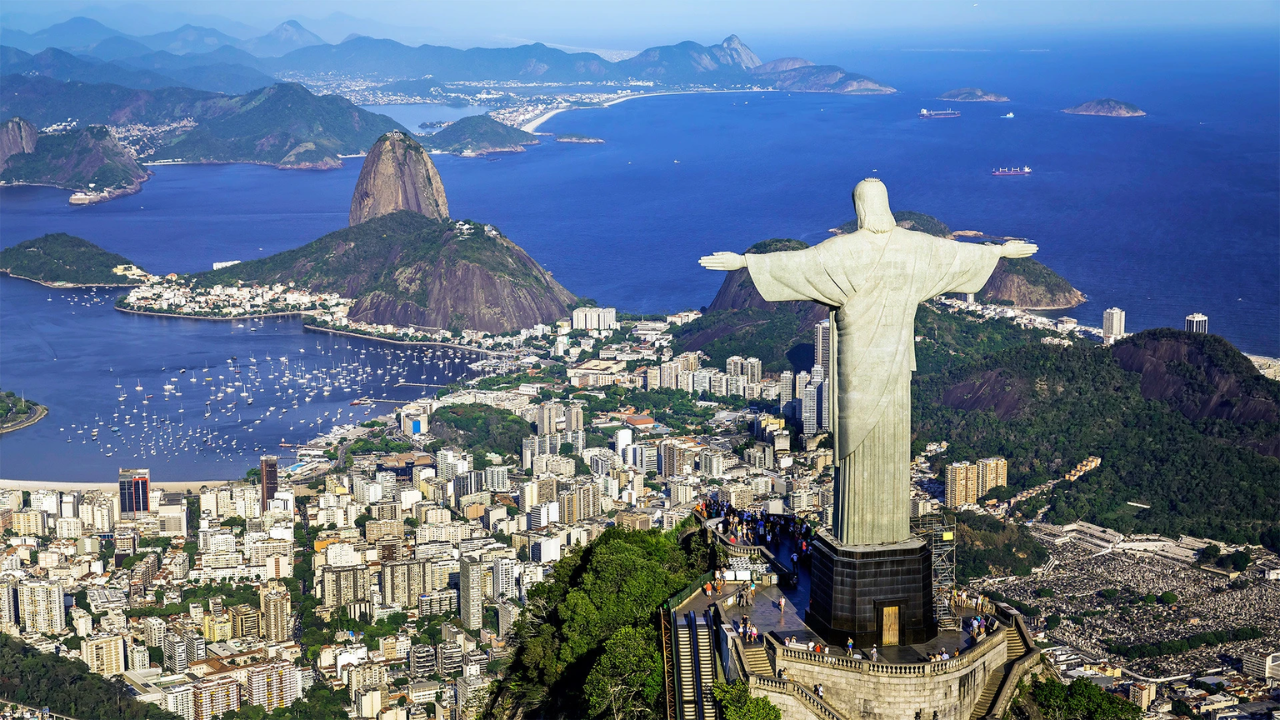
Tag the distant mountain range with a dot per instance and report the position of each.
(90, 37)
(283, 125)
(207, 59)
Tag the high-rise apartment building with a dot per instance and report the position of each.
(404, 580)
(139, 658)
(342, 585)
(822, 344)
(272, 685)
(40, 607)
(211, 698)
(153, 630)
(504, 577)
(809, 409)
(277, 615)
(175, 653)
(471, 593)
(1112, 325)
(786, 389)
(9, 605)
(992, 472)
(135, 492)
(269, 469)
(962, 484)
(593, 318)
(246, 621)
(1197, 323)
(548, 417)
(104, 654)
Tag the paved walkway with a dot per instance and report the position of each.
(787, 623)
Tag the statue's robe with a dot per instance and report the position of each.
(873, 282)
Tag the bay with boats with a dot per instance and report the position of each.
(191, 400)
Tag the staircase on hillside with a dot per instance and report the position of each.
(1014, 649)
(757, 660)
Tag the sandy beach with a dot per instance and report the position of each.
(104, 486)
(532, 126)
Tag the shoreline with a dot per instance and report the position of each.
(305, 326)
(42, 413)
(110, 195)
(106, 486)
(67, 286)
(535, 123)
(208, 317)
(348, 333)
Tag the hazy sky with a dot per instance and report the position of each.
(635, 24)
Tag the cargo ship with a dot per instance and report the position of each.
(930, 114)
(1024, 170)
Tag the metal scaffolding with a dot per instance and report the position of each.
(940, 533)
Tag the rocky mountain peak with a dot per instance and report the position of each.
(398, 175)
(734, 52)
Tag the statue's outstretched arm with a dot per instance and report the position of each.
(1018, 249)
(723, 261)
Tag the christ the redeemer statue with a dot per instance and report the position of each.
(872, 280)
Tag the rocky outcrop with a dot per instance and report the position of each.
(735, 53)
(991, 390)
(17, 136)
(398, 175)
(1027, 283)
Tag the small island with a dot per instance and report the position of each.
(1106, 107)
(17, 412)
(479, 135)
(972, 95)
(572, 138)
(61, 260)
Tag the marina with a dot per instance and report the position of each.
(203, 400)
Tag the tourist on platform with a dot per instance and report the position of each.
(849, 647)
(782, 606)
(875, 654)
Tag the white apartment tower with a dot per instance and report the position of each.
(1112, 325)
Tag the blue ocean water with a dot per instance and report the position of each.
(1164, 215)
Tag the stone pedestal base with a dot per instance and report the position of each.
(859, 591)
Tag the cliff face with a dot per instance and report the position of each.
(398, 175)
(1026, 283)
(1206, 379)
(17, 136)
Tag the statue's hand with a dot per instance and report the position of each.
(1018, 249)
(723, 261)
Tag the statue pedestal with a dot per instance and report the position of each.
(876, 594)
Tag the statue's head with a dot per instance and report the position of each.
(871, 201)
